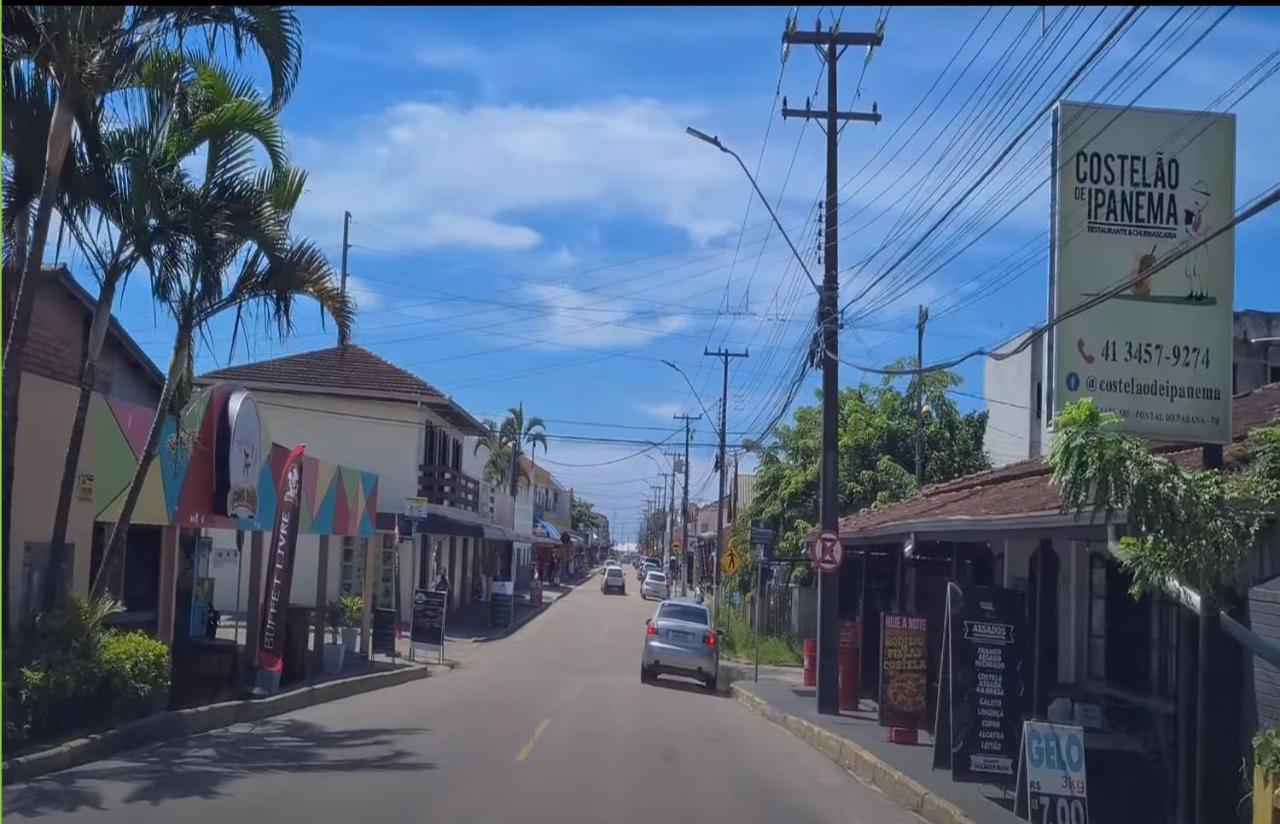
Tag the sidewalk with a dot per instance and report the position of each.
(856, 741)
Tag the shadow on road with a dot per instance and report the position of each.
(203, 767)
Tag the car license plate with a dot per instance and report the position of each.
(680, 636)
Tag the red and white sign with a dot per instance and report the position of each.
(826, 551)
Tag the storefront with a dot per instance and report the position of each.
(216, 473)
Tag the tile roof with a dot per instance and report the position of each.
(1024, 488)
(346, 370)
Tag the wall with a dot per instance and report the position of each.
(1255, 364)
(45, 412)
(1010, 388)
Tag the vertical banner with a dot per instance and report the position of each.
(284, 540)
(1133, 187)
(1054, 766)
(904, 646)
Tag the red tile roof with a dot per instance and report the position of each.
(346, 370)
(1024, 488)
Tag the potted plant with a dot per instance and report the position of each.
(334, 649)
(352, 609)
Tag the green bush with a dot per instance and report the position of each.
(77, 676)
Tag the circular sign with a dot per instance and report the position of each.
(730, 561)
(827, 552)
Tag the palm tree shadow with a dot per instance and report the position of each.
(206, 766)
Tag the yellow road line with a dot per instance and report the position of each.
(528, 748)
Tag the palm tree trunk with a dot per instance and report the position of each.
(115, 544)
(58, 543)
(24, 303)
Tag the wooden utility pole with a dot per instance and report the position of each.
(684, 511)
(724, 356)
(831, 45)
(921, 319)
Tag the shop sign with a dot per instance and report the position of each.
(428, 616)
(904, 645)
(1133, 188)
(238, 453)
(284, 540)
(1054, 766)
(980, 685)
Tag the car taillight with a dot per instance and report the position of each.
(710, 638)
(651, 630)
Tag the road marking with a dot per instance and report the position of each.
(528, 748)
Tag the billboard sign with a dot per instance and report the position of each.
(1131, 188)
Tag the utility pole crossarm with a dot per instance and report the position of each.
(817, 114)
(799, 37)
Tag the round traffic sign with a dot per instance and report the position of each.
(827, 552)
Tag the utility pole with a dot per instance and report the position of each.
(346, 245)
(724, 356)
(921, 319)
(831, 45)
(684, 512)
(674, 457)
(663, 540)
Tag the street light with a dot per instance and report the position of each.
(696, 397)
(715, 141)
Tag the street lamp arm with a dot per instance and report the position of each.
(691, 389)
(715, 141)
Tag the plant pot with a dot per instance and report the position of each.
(351, 639)
(333, 656)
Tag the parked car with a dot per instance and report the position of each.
(645, 567)
(613, 580)
(655, 586)
(680, 640)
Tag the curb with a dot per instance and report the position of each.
(867, 768)
(166, 726)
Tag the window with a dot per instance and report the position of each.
(1097, 652)
(684, 612)
(429, 448)
(1274, 375)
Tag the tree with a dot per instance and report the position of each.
(582, 514)
(119, 221)
(236, 254)
(518, 433)
(1191, 527)
(497, 469)
(876, 456)
(85, 53)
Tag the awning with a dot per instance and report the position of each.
(493, 532)
(435, 524)
(548, 530)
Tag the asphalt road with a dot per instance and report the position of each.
(549, 725)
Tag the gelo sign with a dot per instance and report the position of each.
(1056, 788)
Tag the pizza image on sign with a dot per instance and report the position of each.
(903, 670)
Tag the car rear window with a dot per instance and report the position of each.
(657, 576)
(683, 612)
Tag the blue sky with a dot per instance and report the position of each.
(532, 224)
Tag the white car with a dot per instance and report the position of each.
(655, 586)
(613, 580)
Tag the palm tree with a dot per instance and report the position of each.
(86, 53)
(518, 433)
(236, 254)
(120, 222)
(497, 469)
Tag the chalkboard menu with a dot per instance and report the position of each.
(384, 631)
(980, 688)
(428, 616)
(903, 670)
(502, 605)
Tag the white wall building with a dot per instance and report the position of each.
(357, 409)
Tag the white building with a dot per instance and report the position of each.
(361, 411)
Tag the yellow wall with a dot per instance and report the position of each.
(45, 412)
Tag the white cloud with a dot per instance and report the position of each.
(580, 319)
(662, 410)
(435, 174)
(367, 299)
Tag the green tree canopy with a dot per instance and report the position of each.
(876, 455)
